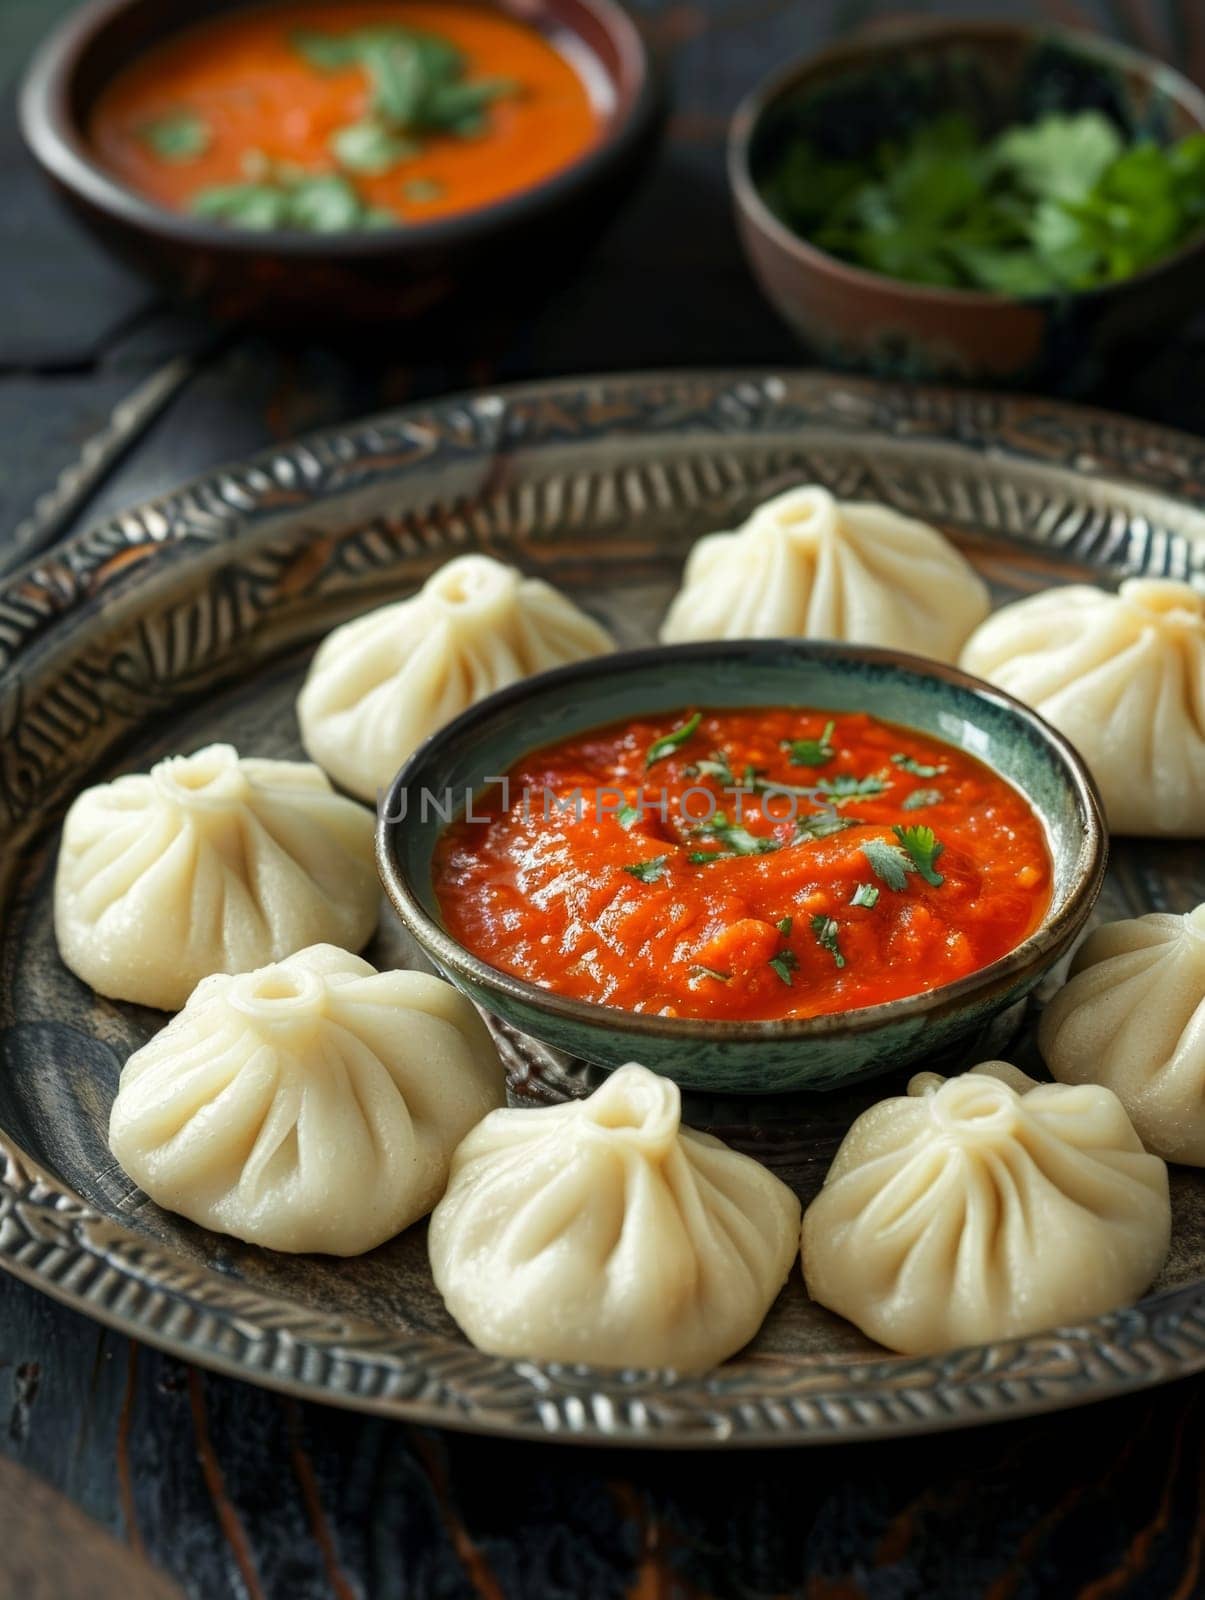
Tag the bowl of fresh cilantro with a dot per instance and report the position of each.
(979, 201)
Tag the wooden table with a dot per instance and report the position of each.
(144, 1463)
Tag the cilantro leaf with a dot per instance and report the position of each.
(827, 936)
(784, 927)
(1061, 241)
(820, 824)
(714, 766)
(888, 862)
(845, 786)
(1060, 203)
(650, 871)
(922, 797)
(399, 79)
(243, 205)
(733, 836)
(1015, 271)
(759, 785)
(923, 846)
(1060, 157)
(674, 740)
(811, 752)
(322, 202)
(370, 147)
(918, 769)
(327, 52)
(627, 817)
(416, 84)
(785, 963)
(865, 895)
(177, 136)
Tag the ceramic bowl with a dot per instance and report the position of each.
(751, 1057)
(503, 253)
(848, 99)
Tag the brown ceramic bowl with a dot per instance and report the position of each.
(847, 99)
(502, 251)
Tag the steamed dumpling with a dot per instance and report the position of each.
(1123, 676)
(209, 863)
(602, 1231)
(380, 685)
(807, 566)
(1132, 1017)
(985, 1207)
(312, 1105)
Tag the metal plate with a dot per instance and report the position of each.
(191, 619)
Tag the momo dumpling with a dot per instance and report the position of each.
(603, 1231)
(1132, 1017)
(312, 1105)
(806, 566)
(209, 863)
(984, 1207)
(380, 685)
(1123, 677)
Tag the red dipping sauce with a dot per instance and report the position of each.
(765, 864)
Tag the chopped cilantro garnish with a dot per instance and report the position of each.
(865, 895)
(845, 786)
(772, 786)
(416, 80)
(674, 740)
(917, 851)
(921, 797)
(324, 202)
(627, 816)
(1066, 202)
(714, 766)
(924, 847)
(888, 862)
(710, 972)
(648, 871)
(784, 964)
(176, 136)
(918, 769)
(733, 836)
(827, 936)
(820, 824)
(784, 927)
(810, 752)
(370, 147)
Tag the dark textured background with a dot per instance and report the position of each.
(232, 1491)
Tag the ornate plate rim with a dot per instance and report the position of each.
(53, 1240)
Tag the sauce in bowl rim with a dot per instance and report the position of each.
(51, 126)
(1064, 917)
(809, 903)
(257, 88)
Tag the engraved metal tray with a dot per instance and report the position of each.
(191, 619)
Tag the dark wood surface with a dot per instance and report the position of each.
(140, 1463)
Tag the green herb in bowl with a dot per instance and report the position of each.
(1059, 205)
(416, 86)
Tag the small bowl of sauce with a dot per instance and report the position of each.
(366, 161)
(757, 866)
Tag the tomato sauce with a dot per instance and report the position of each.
(900, 865)
(257, 96)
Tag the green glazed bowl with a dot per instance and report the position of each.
(751, 1057)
